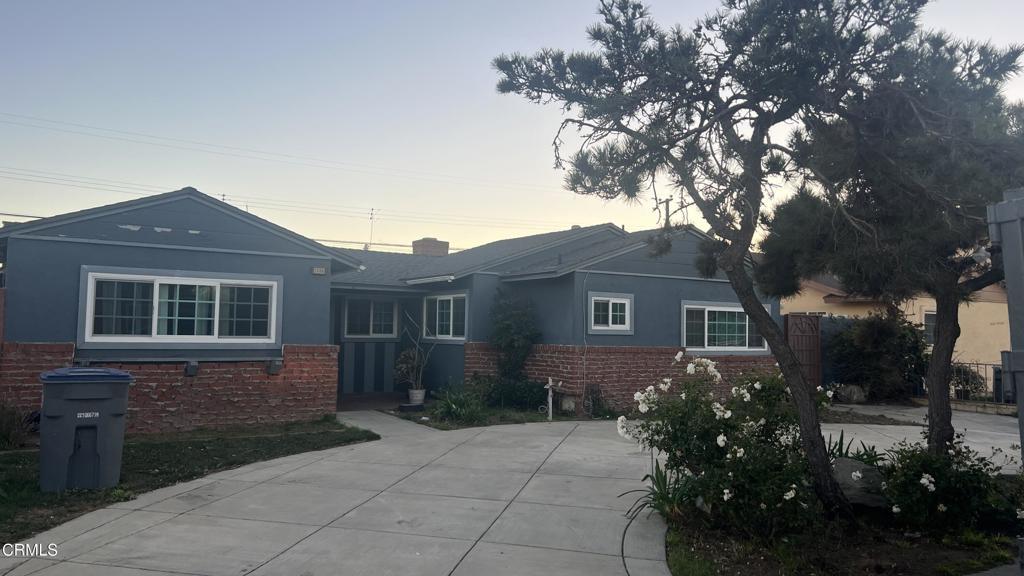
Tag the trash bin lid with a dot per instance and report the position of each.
(83, 374)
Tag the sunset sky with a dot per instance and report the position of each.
(311, 113)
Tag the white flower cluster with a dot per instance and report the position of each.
(665, 384)
(791, 494)
(646, 400)
(788, 436)
(736, 453)
(623, 427)
(1020, 514)
(720, 412)
(928, 482)
(703, 365)
(742, 391)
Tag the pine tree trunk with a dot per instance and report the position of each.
(947, 330)
(825, 485)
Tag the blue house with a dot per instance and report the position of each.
(188, 292)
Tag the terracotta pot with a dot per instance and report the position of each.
(417, 396)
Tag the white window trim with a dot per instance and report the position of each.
(451, 298)
(372, 334)
(628, 326)
(764, 343)
(90, 305)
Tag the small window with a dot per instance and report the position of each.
(444, 317)
(719, 328)
(929, 328)
(610, 313)
(364, 317)
(244, 311)
(123, 308)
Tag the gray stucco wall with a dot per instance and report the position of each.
(43, 285)
(657, 313)
(553, 308)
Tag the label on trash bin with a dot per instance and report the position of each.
(88, 415)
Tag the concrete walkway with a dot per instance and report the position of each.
(505, 500)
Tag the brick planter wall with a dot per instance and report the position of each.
(221, 394)
(616, 371)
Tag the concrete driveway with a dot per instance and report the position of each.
(505, 500)
(983, 432)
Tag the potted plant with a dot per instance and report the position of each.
(412, 362)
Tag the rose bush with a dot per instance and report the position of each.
(732, 458)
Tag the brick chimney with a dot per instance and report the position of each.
(430, 247)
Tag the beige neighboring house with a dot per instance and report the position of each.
(984, 321)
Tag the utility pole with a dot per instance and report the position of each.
(666, 202)
(367, 245)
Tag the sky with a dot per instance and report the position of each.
(342, 120)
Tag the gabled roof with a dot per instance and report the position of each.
(27, 228)
(389, 269)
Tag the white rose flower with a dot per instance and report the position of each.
(942, 507)
(856, 475)
(830, 393)
(895, 509)
(820, 389)
(757, 385)
(1020, 514)
(691, 368)
(666, 383)
(679, 356)
(721, 440)
(622, 425)
(726, 494)
(683, 394)
(789, 495)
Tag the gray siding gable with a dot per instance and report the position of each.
(183, 219)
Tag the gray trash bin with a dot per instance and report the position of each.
(81, 428)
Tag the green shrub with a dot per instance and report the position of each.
(948, 492)
(735, 462)
(516, 394)
(513, 334)
(882, 353)
(13, 430)
(457, 406)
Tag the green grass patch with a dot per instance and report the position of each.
(154, 461)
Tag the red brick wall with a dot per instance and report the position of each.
(221, 394)
(616, 371)
(20, 366)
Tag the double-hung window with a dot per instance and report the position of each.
(365, 317)
(444, 316)
(123, 308)
(719, 328)
(611, 313)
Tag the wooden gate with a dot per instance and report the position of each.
(803, 332)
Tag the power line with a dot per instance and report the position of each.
(257, 154)
(20, 215)
(137, 189)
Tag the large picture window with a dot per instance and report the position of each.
(444, 317)
(719, 328)
(137, 308)
(370, 318)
